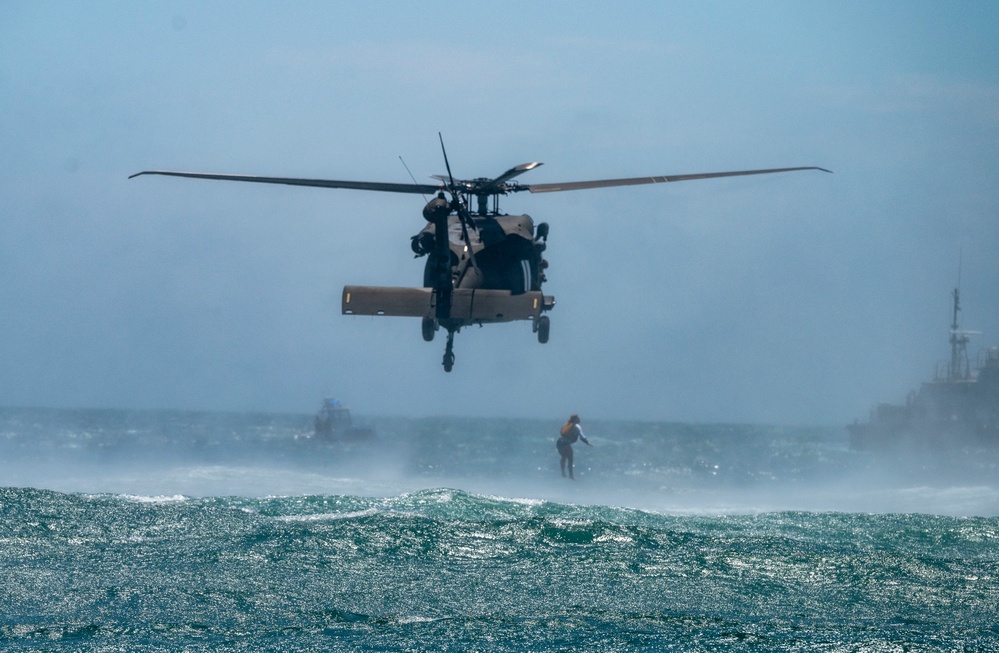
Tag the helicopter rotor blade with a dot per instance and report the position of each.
(511, 173)
(418, 189)
(446, 163)
(464, 219)
(489, 186)
(633, 181)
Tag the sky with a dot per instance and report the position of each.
(800, 298)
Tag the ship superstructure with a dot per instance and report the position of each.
(959, 407)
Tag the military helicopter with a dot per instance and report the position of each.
(482, 267)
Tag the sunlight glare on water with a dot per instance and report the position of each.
(286, 544)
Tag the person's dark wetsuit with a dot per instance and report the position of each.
(571, 432)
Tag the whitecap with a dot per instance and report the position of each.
(176, 498)
(327, 516)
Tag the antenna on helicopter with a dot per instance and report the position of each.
(411, 176)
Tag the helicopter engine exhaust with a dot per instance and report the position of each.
(436, 209)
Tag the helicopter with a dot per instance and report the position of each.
(482, 267)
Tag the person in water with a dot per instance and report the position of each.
(571, 432)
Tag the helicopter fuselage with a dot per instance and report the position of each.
(504, 254)
(495, 275)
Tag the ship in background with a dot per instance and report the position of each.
(958, 408)
(333, 422)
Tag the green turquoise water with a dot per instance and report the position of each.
(424, 554)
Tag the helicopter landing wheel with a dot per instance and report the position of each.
(429, 328)
(448, 361)
(543, 328)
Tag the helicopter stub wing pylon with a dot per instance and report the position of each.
(468, 305)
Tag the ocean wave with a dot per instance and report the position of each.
(154, 499)
(330, 516)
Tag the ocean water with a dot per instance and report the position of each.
(171, 531)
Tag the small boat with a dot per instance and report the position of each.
(333, 422)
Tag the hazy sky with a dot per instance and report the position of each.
(796, 298)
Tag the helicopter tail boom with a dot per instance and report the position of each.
(467, 304)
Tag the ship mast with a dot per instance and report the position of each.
(960, 369)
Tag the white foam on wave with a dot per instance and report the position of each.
(176, 498)
(328, 516)
(414, 619)
(521, 501)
